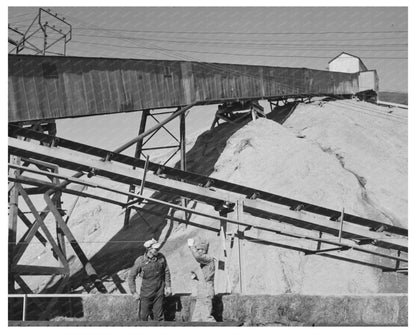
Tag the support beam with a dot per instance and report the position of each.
(261, 224)
(182, 133)
(306, 220)
(332, 249)
(256, 207)
(29, 224)
(240, 247)
(270, 240)
(89, 269)
(137, 154)
(40, 223)
(39, 270)
(154, 128)
(197, 179)
(46, 186)
(13, 213)
(120, 173)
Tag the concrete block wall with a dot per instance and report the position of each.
(279, 310)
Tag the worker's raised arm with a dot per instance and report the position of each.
(200, 257)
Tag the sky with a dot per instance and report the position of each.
(275, 36)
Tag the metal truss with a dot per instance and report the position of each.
(59, 31)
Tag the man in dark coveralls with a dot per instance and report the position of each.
(153, 269)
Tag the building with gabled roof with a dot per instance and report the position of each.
(347, 63)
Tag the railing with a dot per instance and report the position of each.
(26, 296)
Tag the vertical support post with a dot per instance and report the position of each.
(146, 165)
(60, 236)
(182, 134)
(398, 261)
(253, 114)
(182, 143)
(239, 210)
(13, 213)
(24, 307)
(318, 245)
(137, 154)
(223, 231)
(341, 225)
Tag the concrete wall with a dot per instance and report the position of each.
(280, 310)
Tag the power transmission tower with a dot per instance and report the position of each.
(48, 34)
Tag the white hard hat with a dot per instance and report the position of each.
(156, 246)
(151, 243)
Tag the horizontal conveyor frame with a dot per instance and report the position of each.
(80, 162)
(203, 180)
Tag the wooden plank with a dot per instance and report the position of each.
(119, 173)
(38, 270)
(46, 185)
(303, 219)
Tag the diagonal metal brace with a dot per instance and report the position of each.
(338, 248)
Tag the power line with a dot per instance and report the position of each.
(313, 47)
(239, 43)
(245, 33)
(206, 65)
(210, 66)
(262, 40)
(234, 54)
(256, 48)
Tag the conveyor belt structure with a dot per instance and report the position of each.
(214, 192)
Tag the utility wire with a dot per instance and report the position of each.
(235, 54)
(206, 65)
(238, 42)
(320, 49)
(242, 33)
(182, 38)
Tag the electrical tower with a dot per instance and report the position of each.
(47, 34)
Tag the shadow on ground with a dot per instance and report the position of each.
(121, 251)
